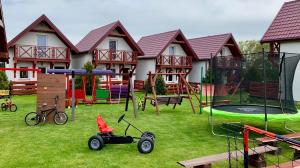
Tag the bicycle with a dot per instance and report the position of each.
(9, 105)
(35, 118)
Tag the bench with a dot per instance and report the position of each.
(296, 152)
(291, 164)
(274, 142)
(256, 158)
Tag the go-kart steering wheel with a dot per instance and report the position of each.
(121, 118)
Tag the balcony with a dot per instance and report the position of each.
(115, 57)
(40, 53)
(228, 62)
(174, 61)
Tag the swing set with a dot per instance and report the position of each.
(183, 91)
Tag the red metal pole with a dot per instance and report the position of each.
(246, 147)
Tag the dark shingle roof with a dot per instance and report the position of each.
(205, 46)
(95, 37)
(286, 25)
(154, 45)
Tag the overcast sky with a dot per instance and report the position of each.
(246, 19)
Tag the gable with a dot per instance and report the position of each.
(154, 45)
(95, 37)
(42, 25)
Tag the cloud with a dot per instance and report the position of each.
(246, 19)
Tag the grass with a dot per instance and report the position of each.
(180, 135)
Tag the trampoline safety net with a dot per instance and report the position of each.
(261, 80)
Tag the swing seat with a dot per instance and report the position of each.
(103, 128)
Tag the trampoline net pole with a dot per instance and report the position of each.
(265, 88)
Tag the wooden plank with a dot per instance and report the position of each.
(224, 156)
(267, 139)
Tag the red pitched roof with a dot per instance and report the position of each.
(154, 45)
(286, 25)
(95, 37)
(205, 46)
(46, 20)
(3, 42)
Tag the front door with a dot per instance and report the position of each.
(41, 46)
(125, 71)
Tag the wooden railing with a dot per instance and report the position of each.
(174, 60)
(23, 87)
(118, 56)
(228, 62)
(43, 53)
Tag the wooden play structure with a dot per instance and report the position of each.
(107, 92)
(48, 87)
(183, 91)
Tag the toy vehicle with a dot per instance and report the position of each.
(8, 105)
(106, 136)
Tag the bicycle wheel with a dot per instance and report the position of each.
(13, 108)
(32, 119)
(60, 118)
(3, 107)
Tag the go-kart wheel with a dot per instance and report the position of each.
(145, 145)
(96, 143)
(148, 134)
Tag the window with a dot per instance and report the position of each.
(41, 46)
(24, 74)
(222, 52)
(169, 77)
(172, 50)
(114, 72)
(113, 48)
(43, 70)
(59, 67)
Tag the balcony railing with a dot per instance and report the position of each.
(41, 52)
(174, 61)
(228, 62)
(118, 56)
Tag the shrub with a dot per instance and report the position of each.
(160, 86)
(4, 83)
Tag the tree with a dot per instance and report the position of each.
(252, 46)
(4, 83)
(160, 86)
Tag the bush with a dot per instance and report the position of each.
(4, 83)
(160, 86)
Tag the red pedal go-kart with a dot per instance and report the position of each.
(106, 136)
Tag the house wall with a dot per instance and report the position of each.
(121, 44)
(195, 74)
(78, 60)
(178, 50)
(226, 52)
(293, 47)
(143, 68)
(31, 39)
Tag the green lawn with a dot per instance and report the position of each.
(180, 135)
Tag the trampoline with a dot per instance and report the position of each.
(255, 87)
